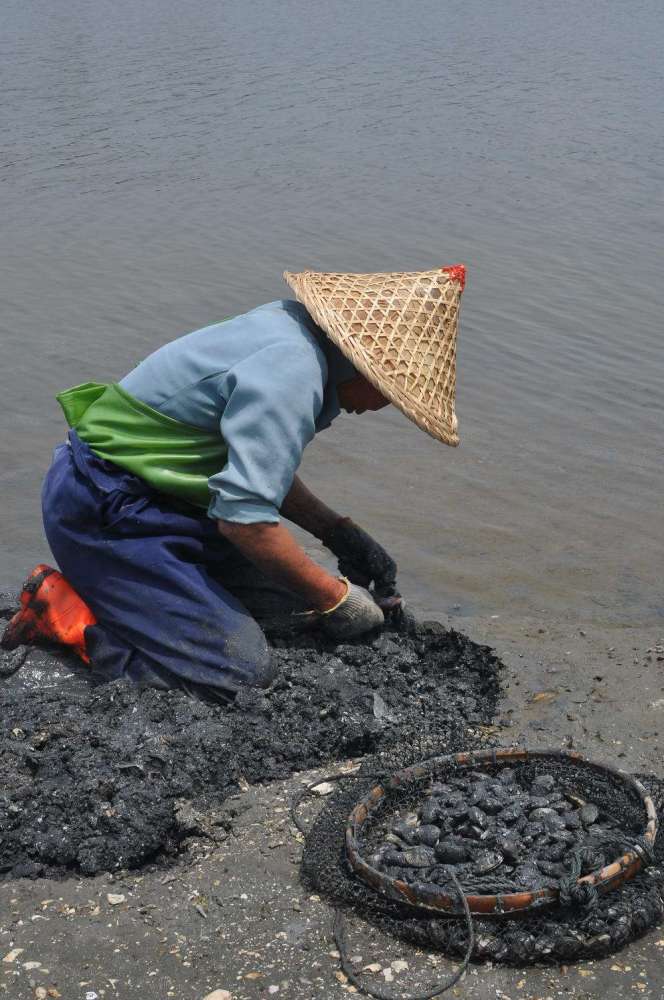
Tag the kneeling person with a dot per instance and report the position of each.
(163, 508)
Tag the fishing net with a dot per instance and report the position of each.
(585, 925)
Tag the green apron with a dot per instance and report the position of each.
(173, 457)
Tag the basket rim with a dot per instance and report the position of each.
(498, 904)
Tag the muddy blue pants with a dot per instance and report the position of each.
(152, 572)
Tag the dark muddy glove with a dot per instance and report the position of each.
(361, 558)
(366, 563)
(356, 614)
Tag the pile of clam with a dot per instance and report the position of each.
(495, 829)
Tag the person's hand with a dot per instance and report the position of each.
(361, 558)
(397, 613)
(364, 561)
(354, 615)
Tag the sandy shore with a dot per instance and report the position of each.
(233, 916)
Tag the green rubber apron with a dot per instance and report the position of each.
(173, 457)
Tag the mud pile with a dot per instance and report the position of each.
(113, 776)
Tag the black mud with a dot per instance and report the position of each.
(99, 778)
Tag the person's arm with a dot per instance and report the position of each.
(303, 508)
(342, 609)
(273, 549)
(361, 558)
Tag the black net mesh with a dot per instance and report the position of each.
(555, 934)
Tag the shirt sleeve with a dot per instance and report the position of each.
(273, 398)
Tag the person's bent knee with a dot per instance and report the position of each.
(253, 659)
(265, 670)
(262, 666)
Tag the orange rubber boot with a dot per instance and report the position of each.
(52, 610)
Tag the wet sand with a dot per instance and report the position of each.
(260, 928)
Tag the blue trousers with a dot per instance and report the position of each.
(151, 572)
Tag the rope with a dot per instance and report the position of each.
(573, 893)
(300, 796)
(644, 849)
(339, 923)
(339, 931)
(15, 663)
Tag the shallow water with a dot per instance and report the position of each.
(165, 162)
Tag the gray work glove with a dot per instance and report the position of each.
(355, 614)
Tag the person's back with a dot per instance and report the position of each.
(192, 378)
(219, 417)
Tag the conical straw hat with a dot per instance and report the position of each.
(399, 330)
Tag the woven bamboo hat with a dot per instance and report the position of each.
(399, 330)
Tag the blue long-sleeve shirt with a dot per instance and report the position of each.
(267, 380)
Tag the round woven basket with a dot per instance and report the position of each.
(434, 897)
